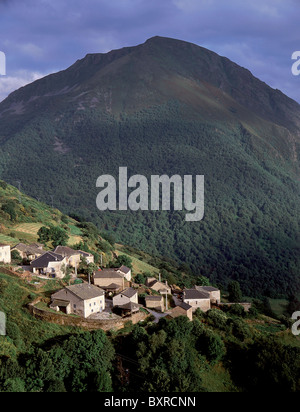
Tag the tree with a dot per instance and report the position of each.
(235, 294)
(10, 208)
(84, 362)
(140, 279)
(16, 257)
(211, 345)
(44, 235)
(124, 260)
(39, 370)
(55, 234)
(58, 236)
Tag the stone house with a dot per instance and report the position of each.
(88, 256)
(126, 296)
(109, 279)
(50, 264)
(197, 299)
(73, 256)
(126, 272)
(150, 281)
(29, 252)
(155, 302)
(181, 310)
(5, 256)
(83, 300)
(215, 294)
(158, 286)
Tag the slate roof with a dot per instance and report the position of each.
(45, 259)
(84, 291)
(107, 274)
(185, 306)
(133, 307)
(29, 249)
(154, 298)
(61, 303)
(66, 251)
(112, 286)
(195, 294)
(124, 269)
(84, 253)
(129, 293)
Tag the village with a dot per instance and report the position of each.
(108, 293)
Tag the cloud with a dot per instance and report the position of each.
(8, 84)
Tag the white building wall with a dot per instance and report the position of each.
(95, 305)
(5, 255)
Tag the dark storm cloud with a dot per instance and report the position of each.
(41, 36)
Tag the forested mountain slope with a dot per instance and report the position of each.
(168, 107)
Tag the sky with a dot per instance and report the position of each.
(39, 37)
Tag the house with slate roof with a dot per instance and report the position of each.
(126, 272)
(160, 287)
(129, 295)
(155, 302)
(29, 252)
(50, 264)
(183, 309)
(197, 299)
(73, 256)
(214, 293)
(109, 280)
(83, 300)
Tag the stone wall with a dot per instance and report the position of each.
(246, 306)
(76, 321)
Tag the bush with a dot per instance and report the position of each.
(3, 286)
(237, 310)
(140, 279)
(217, 319)
(16, 257)
(211, 345)
(239, 329)
(3, 184)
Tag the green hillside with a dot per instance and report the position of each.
(21, 217)
(225, 350)
(217, 352)
(168, 107)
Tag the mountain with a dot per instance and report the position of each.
(168, 107)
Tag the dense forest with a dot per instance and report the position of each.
(216, 352)
(250, 231)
